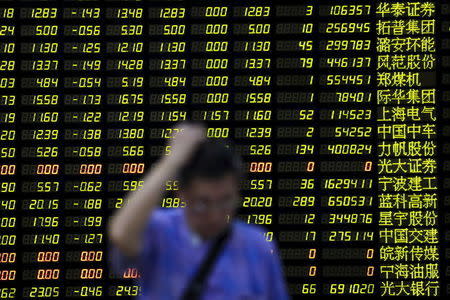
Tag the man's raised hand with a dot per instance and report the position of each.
(185, 141)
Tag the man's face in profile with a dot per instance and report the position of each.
(210, 204)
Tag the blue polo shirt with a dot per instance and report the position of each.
(247, 268)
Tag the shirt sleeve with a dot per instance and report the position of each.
(278, 286)
(120, 262)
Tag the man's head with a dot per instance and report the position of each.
(209, 184)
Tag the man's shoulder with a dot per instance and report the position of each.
(251, 230)
(164, 216)
(164, 212)
(255, 236)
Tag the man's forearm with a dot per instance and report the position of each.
(126, 225)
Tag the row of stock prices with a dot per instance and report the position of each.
(340, 110)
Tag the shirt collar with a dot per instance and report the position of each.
(193, 237)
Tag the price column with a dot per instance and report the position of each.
(252, 66)
(124, 52)
(10, 184)
(42, 136)
(347, 146)
(297, 129)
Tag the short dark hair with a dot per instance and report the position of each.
(212, 159)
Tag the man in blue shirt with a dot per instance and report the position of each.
(167, 245)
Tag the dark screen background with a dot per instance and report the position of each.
(339, 109)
